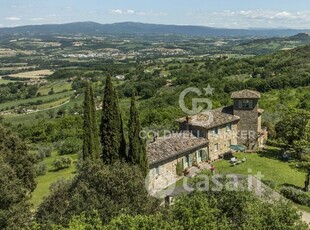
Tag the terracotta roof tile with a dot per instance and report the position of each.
(246, 93)
(177, 143)
(212, 118)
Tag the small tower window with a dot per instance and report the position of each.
(245, 104)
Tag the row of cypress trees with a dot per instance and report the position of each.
(111, 133)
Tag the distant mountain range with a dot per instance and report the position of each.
(93, 28)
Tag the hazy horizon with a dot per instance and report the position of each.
(167, 24)
(237, 14)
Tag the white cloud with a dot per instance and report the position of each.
(139, 13)
(130, 12)
(151, 13)
(252, 18)
(116, 11)
(37, 19)
(266, 14)
(12, 18)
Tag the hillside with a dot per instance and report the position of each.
(93, 28)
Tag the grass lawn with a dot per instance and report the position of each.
(268, 164)
(51, 176)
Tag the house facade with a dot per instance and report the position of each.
(207, 136)
(169, 156)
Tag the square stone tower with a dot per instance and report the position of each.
(246, 107)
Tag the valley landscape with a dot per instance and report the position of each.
(75, 98)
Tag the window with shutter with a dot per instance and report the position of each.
(204, 155)
(185, 162)
(190, 160)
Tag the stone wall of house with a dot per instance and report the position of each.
(248, 126)
(224, 139)
(167, 173)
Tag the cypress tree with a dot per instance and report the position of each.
(91, 143)
(111, 128)
(137, 147)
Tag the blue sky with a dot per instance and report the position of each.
(215, 13)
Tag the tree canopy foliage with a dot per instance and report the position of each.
(91, 143)
(109, 189)
(17, 179)
(111, 127)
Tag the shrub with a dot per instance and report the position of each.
(110, 189)
(275, 144)
(305, 157)
(269, 183)
(70, 145)
(62, 163)
(296, 195)
(41, 169)
(44, 151)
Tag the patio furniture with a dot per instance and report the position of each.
(233, 160)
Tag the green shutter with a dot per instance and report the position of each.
(185, 162)
(190, 163)
(239, 104)
(203, 155)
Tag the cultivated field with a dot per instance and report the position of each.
(4, 81)
(17, 67)
(43, 99)
(57, 86)
(33, 74)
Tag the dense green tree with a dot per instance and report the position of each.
(14, 206)
(293, 126)
(124, 222)
(111, 128)
(15, 153)
(17, 179)
(136, 146)
(70, 145)
(91, 143)
(226, 210)
(109, 189)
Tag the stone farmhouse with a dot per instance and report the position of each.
(206, 137)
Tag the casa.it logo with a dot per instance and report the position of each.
(196, 102)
